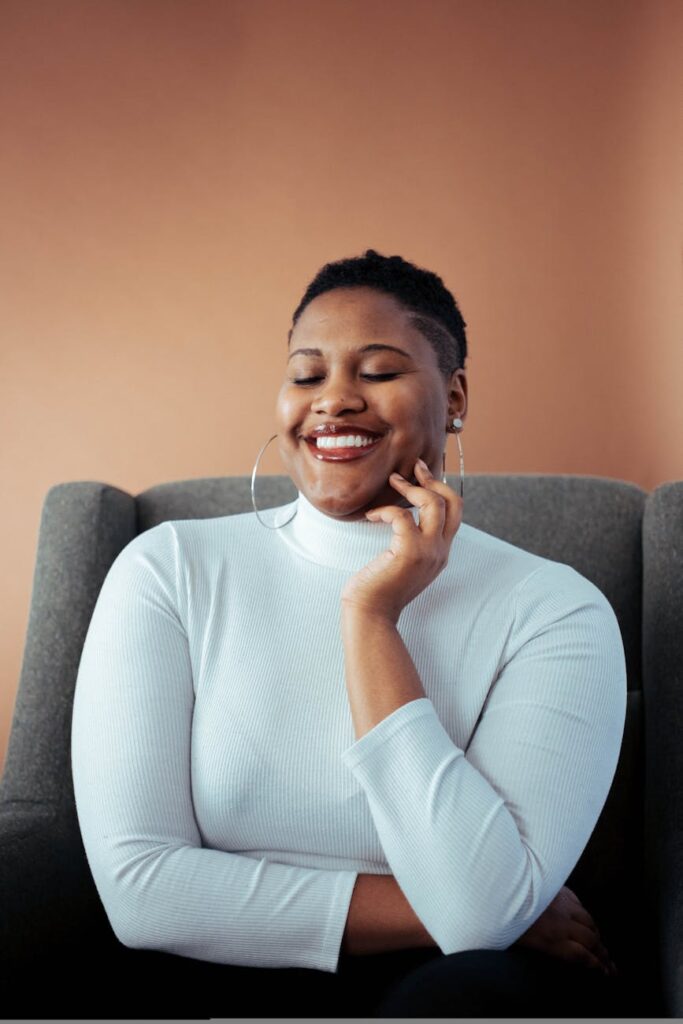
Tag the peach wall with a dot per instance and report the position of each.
(175, 171)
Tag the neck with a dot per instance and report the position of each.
(338, 542)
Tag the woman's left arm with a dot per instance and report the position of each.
(481, 843)
(380, 674)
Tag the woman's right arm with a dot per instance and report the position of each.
(381, 920)
(131, 757)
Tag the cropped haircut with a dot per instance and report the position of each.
(433, 310)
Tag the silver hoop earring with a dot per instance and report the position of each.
(457, 427)
(253, 481)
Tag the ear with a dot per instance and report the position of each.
(457, 395)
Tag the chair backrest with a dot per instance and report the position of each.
(591, 523)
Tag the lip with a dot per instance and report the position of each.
(341, 454)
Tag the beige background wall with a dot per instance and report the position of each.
(175, 171)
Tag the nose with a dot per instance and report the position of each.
(338, 395)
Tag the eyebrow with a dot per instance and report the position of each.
(366, 348)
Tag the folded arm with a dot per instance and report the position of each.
(131, 757)
(481, 842)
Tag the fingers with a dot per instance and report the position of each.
(581, 915)
(597, 958)
(578, 912)
(454, 503)
(440, 507)
(580, 954)
(570, 894)
(432, 506)
(590, 939)
(590, 935)
(600, 951)
(591, 942)
(401, 519)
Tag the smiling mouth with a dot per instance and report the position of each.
(341, 449)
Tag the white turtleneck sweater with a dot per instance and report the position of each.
(225, 805)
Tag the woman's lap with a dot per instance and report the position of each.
(353, 991)
(516, 982)
(224, 990)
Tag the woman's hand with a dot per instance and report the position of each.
(566, 930)
(416, 555)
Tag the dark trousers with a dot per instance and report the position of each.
(132, 984)
(516, 982)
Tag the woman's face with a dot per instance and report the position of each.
(357, 368)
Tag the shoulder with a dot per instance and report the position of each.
(540, 586)
(487, 547)
(240, 534)
(192, 537)
(490, 562)
(182, 553)
(564, 637)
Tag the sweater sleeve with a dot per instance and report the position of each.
(131, 763)
(481, 841)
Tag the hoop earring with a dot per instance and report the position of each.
(456, 427)
(253, 480)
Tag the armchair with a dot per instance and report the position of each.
(53, 928)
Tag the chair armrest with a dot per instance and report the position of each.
(59, 957)
(49, 906)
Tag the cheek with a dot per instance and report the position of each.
(288, 410)
(420, 417)
(422, 434)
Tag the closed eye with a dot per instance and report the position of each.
(377, 377)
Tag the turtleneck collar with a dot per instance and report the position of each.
(335, 543)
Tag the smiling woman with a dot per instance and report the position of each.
(348, 762)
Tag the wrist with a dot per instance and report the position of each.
(380, 919)
(354, 611)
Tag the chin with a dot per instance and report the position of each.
(337, 506)
(352, 504)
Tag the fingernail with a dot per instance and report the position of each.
(424, 466)
(398, 475)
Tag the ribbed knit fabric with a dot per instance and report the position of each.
(225, 805)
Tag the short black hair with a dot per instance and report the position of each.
(434, 311)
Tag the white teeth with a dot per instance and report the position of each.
(344, 442)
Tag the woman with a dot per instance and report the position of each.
(353, 738)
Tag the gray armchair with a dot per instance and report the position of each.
(53, 929)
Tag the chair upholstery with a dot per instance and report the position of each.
(629, 543)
